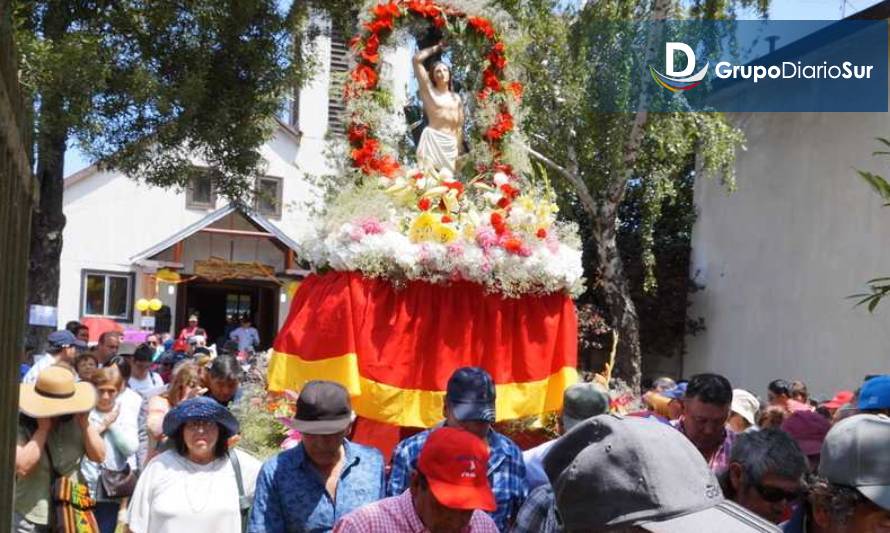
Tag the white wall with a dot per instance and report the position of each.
(111, 218)
(780, 256)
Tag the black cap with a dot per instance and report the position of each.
(323, 408)
(144, 353)
(471, 394)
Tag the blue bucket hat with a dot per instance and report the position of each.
(200, 408)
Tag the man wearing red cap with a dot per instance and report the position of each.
(449, 492)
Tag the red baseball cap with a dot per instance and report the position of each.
(840, 399)
(455, 464)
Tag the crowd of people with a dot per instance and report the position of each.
(147, 439)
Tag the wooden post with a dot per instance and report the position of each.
(288, 260)
(18, 194)
(177, 252)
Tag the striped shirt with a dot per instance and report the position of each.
(397, 514)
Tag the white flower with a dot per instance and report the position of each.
(500, 178)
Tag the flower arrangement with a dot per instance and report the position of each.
(491, 223)
(266, 418)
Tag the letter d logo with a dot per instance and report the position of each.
(674, 80)
(669, 49)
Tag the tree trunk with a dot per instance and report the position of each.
(615, 296)
(47, 223)
(48, 220)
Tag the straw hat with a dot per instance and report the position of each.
(55, 394)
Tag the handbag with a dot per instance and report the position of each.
(243, 500)
(117, 483)
(72, 506)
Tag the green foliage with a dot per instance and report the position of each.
(261, 434)
(878, 288)
(147, 86)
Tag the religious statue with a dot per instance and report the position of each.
(441, 138)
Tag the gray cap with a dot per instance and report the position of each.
(610, 471)
(582, 401)
(855, 454)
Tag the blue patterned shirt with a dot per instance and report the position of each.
(291, 497)
(538, 513)
(506, 473)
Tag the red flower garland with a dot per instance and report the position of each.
(364, 77)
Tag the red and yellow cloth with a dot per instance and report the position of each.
(394, 348)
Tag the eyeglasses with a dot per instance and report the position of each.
(775, 494)
(200, 425)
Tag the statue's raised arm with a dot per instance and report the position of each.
(439, 142)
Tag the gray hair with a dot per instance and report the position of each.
(839, 501)
(768, 451)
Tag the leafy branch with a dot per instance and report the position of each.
(878, 288)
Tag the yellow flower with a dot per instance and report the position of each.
(469, 232)
(422, 228)
(444, 234)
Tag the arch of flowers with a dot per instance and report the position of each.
(496, 99)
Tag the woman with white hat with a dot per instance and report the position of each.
(199, 484)
(54, 434)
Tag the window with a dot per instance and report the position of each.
(108, 294)
(339, 67)
(268, 196)
(237, 305)
(200, 193)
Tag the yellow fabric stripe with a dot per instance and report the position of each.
(413, 407)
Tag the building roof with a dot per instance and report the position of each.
(212, 217)
(86, 172)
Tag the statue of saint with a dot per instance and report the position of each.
(440, 140)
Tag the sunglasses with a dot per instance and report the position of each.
(775, 494)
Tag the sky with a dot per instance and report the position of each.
(779, 10)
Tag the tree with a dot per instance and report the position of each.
(878, 288)
(144, 87)
(572, 58)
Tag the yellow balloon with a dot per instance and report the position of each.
(142, 304)
(155, 304)
(292, 288)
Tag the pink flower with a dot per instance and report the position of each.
(292, 439)
(371, 226)
(553, 243)
(455, 249)
(486, 237)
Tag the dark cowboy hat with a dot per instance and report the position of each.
(200, 408)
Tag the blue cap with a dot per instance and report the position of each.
(675, 393)
(875, 393)
(61, 339)
(200, 408)
(470, 394)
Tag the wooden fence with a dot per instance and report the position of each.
(17, 196)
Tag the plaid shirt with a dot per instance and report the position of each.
(538, 513)
(506, 473)
(719, 462)
(397, 514)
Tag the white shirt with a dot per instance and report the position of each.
(44, 362)
(130, 403)
(175, 495)
(247, 338)
(121, 440)
(143, 386)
